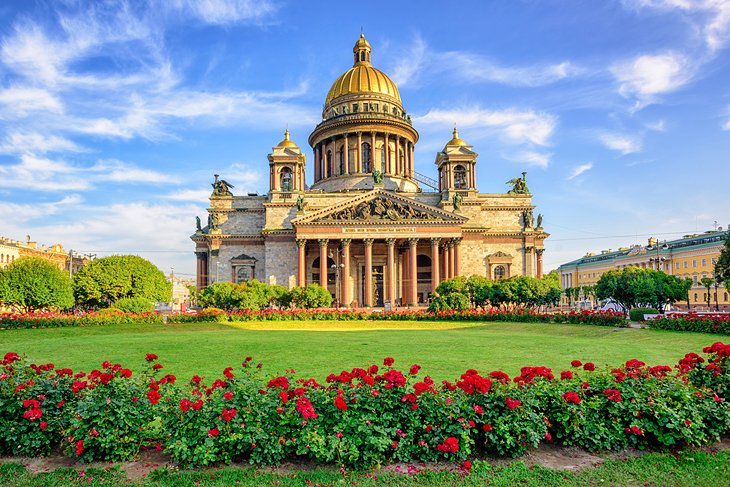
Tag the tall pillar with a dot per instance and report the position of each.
(457, 257)
(302, 263)
(373, 159)
(367, 293)
(317, 161)
(386, 154)
(358, 153)
(390, 242)
(445, 260)
(411, 163)
(345, 288)
(539, 262)
(405, 288)
(323, 262)
(435, 264)
(413, 267)
(346, 150)
(451, 260)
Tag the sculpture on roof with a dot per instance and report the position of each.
(519, 185)
(300, 203)
(457, 200)
(539, 220)
(377, 177)
(197, 224)
(221, 187)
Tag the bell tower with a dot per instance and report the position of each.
(286, 168)
(456, 167)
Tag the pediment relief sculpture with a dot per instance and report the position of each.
(378, 208)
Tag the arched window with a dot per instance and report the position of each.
(402, 164)
(499, 273)
(362, 56)
(329, 163)
(342, 160)
(366, 161)
(286, 179)
(460, 177)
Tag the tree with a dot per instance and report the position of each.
(103, 281)
(31, 283)
(707, 282)
(722, 266)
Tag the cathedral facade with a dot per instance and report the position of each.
(369, 228)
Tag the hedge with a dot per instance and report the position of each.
(637, 314)
(712, 323)
(361, 418)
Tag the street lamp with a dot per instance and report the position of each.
(658, 260)
(337, 266)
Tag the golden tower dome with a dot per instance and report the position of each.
(362, 77)
(455, 140)
(287, 142)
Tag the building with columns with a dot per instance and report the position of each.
(369, 227)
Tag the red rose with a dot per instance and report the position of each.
(512, 403)
(228, 395)
(79, 447)
(414, 369)
(466, 465)
(197, 405)
(576, 363)
(340, 403)
(213, 432)
(43, 425)
(589, 366)
(228, 372)
(388, 361)
(150, 357)
(153, 396)
(487, 428)
(566, 375)
(571, 397)
(228, 414)
(157, 367)
(184, 405)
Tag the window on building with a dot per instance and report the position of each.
(244, 274)
(382, 156)
(685, 264)
(724, 297)
(695, 297)
(714, 260)
(499, 272)
(694, 262)
(676, 265)
(286, 179)
(342, 160)
(704, 262)
(329, 163)
(366, 161)
(460, 177)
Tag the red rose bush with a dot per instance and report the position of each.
(362, 417)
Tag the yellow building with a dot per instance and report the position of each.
(692, 256)
(11, 250)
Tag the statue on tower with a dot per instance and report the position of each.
(221, 187)
(377, 177)
(456, 200)
(519, 185)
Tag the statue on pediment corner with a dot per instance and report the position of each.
(221, 187)
(377, 177)
(519, 185)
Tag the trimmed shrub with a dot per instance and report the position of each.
(134, 305)
(637, 314)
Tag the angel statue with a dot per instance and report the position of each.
(300, 203)
(197, 224)
(457, 200)
(377, 177)
(539, 220)
(519, 185)
(221, 187)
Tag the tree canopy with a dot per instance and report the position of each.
(31, 283)
(722, 266)
(633, 287)
(103, 281)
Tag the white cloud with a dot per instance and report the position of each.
(646, 77)
(578, 170)
(625, 144)
(20, 143)
(512, 125)
(196, 195)
(22, 213)
(529, 158)
(223, 12)
(418, 60)
(658, 126)
(19, 101)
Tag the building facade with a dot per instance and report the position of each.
(11, 250)
(369, 227)
(692, 257)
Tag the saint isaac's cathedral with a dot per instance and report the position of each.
(369, 227)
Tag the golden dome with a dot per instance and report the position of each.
(286, 142)
(362, 77)
(455, 140)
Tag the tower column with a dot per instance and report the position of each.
(539, 262)
(367, 293)
(386, 153)
(390, 242)
(346, 150)
(317, 161)
(372, 152)
(435, 278)
(358, 153)
(413, 268)
(411, 163)
(451, 260)
(345, 294)
(457, 257)
(302, 263)
(323, 262)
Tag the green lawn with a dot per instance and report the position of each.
(692, 469)
(444, 349)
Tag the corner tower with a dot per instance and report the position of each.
(365, 131)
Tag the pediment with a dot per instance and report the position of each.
(380, 206)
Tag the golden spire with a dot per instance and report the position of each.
(286, 142)
(362, 50)
(455, 140)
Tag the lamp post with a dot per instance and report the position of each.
(658, 260)
(337, 266)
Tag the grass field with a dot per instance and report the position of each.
(317, 348)
(695, 469)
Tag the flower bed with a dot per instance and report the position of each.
(91, 318)
(359, 418)
(706, 323)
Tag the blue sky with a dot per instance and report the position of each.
(115, 115)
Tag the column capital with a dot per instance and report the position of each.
(457, 240)
(435, 241)
(346, 242)
(368, 241)
(413, 241)
(539, 251)
(390, 242)
(301, 242)
(323, 242)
